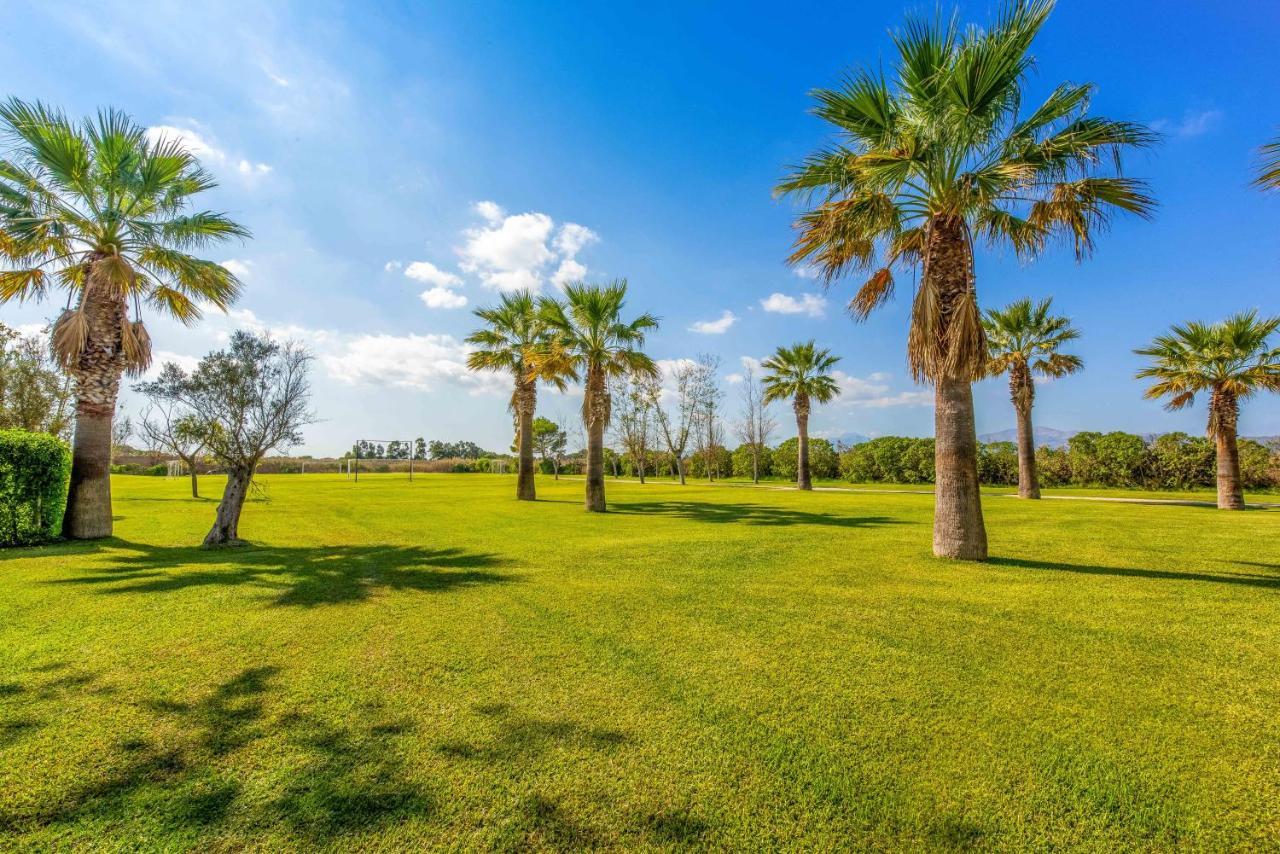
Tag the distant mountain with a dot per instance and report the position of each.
(849, 439)
(1050, 436)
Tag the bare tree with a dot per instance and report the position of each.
(121, 432)
(167, 425)
(633, 419)
(757, 421)
(245, 401)
(676, 425)
(708, 397)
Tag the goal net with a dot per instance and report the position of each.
(381, 456)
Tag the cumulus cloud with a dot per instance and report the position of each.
(522, 250)
(874, 392)
(810, 304)
(442, 297)
(202, 146)
(238, 268)
(392, 266)
(719, 326)
(430, 274)
(805, 271)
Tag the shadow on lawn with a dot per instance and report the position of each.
(298, 576)
(331, 778)
(1249, 579)
(748, 514)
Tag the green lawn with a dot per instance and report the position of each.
(399, 665)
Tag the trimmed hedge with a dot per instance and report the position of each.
(35, 470)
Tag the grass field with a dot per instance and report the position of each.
(398, 665)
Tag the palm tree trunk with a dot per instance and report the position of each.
(226, 522)
(1028, 481)
(97, 374)
(594, 409)
(1230, 490)
(952, 354)
(958, 530)
(802, 452)
(526, 403)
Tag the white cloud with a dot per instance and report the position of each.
(392, 266)
(718, 326)
(238, 268)
(523, 250)
(430, 274)
(420, 362)
(442, 297)
(202, 146)
(1193, 123)
(810, 304)
(734, 379)
(805, 271)
(874, 392)
(491, 211)
(182, 360)
(572, 238)
(570, 270)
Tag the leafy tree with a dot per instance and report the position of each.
(802, 374)
(889, 459)
(244, 402)
(1053, 465)
(711, 463)
(99, 209)
(1024, 339)
(633, 422)
(589, 340)
(168, 425)
(1231, 361)
(753, 461)
(998, 463)
(708, 424)
(514, 329)
(1179, 461)
(34, 394)
(930, 157)
(549, 441)
(454, 450)
(675, 425)
(420, 448)
(823, 460)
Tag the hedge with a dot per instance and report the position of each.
(35, 470)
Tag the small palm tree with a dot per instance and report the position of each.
(1232, 361)
(590, 341)
(99, 209)
(1023, 339)
(1268, 177)
(802, 374)
(932, 158)
(515, 330)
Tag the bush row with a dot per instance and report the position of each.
(35, 470)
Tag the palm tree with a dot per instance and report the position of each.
(1268, 177)
(99, 209)
(1023, 339)
(801, 374)
(1232, 361)
(589, 340)
(933, 158)
(515, 330)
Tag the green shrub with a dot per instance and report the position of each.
(823, 462)
(35, 469)
(998, 463)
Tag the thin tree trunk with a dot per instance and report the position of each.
(195, 484)
(679, 469)
(802, 446)
(526, 403)
(958, 530)
(755, 463)
(1028, 481)
(97, 375)
(594, 407)
(1230, 490)
(226, 523)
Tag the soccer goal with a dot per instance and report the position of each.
(381, 456)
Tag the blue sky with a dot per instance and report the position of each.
(394, 160)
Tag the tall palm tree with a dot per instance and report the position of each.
(928, 161)
(1023, 339)
(515, 330)
(99, 209)
(1268, 177)
(590, 341)
(1232, 361)
(802, 374)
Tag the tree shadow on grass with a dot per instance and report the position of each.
(296, 576)
(330, 778)
(748, 514)
(1271, 582)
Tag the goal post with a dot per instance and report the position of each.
(368, 452)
